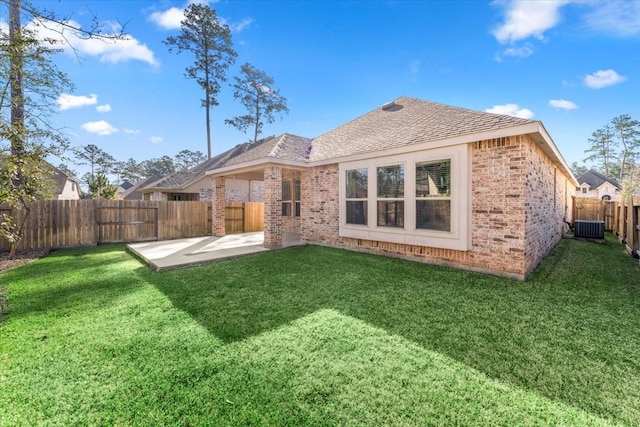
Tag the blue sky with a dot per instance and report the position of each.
(574, 65)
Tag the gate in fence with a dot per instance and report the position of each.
(66, 223)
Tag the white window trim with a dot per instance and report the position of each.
(459, 238)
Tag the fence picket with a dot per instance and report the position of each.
(65, 223)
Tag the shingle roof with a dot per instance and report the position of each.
(595, 180)
(283, 147)
(133, 192)
(184, 178)
(406, 121)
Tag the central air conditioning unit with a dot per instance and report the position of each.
(589, 229)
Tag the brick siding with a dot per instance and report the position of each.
(272, 207)
(518, 201)
(218, 205)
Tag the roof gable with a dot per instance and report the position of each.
(594, 180)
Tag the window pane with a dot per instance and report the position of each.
(357, 184)
(297, 213)
(433, 215)
(296, 190)
(357, 212)
(286, 190)
(391, 181)
(286, 208)
(433, 179)
(391, 214)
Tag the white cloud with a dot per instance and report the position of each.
(511, 110)
(103, 108)
(525, 18)
(170, 19)
(237, 27)
(518, 52)
(620, 17)
(562, 104)
(113, 51)
(156, 139)
(100, 127)
(131, 131)
(603, 78)
(66, 101)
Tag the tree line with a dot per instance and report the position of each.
(614, 151)
(103, 165)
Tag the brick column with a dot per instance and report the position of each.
(272, 207)
(218, 204)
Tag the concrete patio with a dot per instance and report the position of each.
(180, 253)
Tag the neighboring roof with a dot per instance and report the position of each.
(595, 180)
(133, 194)
(60, 179)
(182, 179)
(126, 184)
(403, 122)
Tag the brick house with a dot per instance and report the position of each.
(192, 184)
(597, 186)
(416, 180)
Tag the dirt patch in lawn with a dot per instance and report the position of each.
(21, 257)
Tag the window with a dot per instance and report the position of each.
(584, 190)
(416, 198)
(356, 196)
(296, 197)
(291, 198)
(286, 198)
(433, 195)
(390, 196)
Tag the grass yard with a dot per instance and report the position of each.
(318, 336)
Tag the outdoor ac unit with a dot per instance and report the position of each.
(589, 229)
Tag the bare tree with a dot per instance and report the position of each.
(210, 43)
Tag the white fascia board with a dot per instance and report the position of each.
(555, 153)
(255, 164)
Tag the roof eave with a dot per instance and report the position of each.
(256, 164)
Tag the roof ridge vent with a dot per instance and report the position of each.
(389, 105)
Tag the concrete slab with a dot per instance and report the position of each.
(180, 253)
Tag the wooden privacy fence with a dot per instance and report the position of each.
(589, 209)
(64, 223)
(244, 217)
(620, 217)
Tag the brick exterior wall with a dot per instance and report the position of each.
(518, 201)
(548, 206)
(272, 207)
(218, 210)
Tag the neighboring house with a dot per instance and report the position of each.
(133, 192)
(597, 186)
(66, 187)
(192, 184)
(122, 188)
(417, 180)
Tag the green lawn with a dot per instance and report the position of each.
(318, 336)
